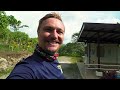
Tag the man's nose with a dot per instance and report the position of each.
(54, 34)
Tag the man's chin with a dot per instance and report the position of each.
(52, 49)
(52, 52)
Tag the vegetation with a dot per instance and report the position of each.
(11, 39)
(6, 72)
(76, 59)
(73, 49)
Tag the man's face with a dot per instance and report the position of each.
(51, 34)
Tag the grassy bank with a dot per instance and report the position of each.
(5, 73)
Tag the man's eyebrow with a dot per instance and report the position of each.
(51, 27)
(48, 27)
(61, 29)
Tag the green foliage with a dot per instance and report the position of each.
(75, 37)
(14, 22)
(11, 39)
(3, 20)
(72, 49)
(31, 44)
(76, 59)
(7, 71)
(4, 47)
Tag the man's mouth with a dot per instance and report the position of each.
(53, 42)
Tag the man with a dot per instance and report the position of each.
(43, 64)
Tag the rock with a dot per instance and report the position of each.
(3, 64)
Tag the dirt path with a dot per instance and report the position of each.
(70, 69)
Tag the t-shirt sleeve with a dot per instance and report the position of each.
(21, 71)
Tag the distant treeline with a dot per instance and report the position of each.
(75, 49)
(72, 49)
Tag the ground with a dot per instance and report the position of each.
(70, 68)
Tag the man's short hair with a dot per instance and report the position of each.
(50, 15)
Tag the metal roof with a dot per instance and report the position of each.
(99, 32)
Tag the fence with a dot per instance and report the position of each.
(100, 67)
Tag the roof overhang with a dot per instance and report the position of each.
(99, 32)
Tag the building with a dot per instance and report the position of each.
(102, 45)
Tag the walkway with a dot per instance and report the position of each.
(86, 74)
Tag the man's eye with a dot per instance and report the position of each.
(60, 32)
(48, 29)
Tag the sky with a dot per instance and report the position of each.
(72, 20)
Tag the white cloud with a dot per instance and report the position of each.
(72, 19)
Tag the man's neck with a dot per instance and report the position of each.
(46, 54)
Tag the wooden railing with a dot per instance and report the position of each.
(102, 67)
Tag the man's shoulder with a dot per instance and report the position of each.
(30, 60)
(23, 69)
(25, 60)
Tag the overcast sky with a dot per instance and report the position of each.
(73, 20)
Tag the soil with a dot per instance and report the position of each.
(13, 54)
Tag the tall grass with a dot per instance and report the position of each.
(4, 47)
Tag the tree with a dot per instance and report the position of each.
(72, 49)
(3, 20)
(75, 37)
(11, 36)
(3, 26)
(14, 23)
